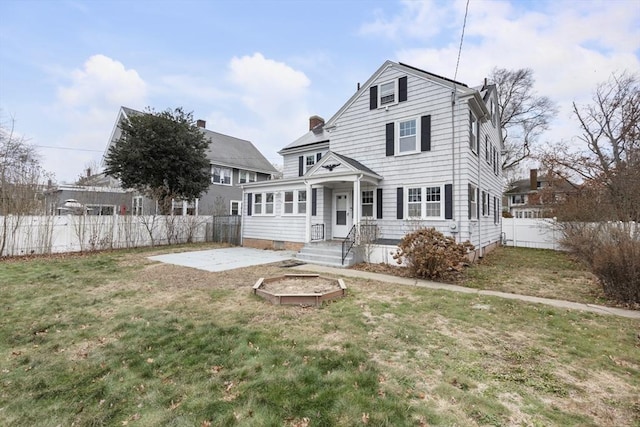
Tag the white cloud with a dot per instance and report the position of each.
(571, 46)
(86, 109)
(102, 80)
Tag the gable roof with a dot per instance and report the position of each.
(224, 150)
(460, 87)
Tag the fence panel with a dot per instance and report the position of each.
(24, 235)
(226, 229)
(538, 233)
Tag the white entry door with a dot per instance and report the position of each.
(341, 214)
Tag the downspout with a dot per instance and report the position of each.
(454, 99)
(479, 210)
(244, 209)
(307, 215)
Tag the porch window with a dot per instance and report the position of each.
(220, 175)
(263, 203)
(302, 201)
(288, 202)
(367, 203)
(294, 202)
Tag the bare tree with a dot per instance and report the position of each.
(21, 180)
(608, 160)
(524, 115)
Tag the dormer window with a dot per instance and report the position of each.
(388, 93)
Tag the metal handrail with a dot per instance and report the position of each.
(350, 240)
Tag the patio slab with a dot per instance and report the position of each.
(224, 258)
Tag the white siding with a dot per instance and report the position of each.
(290, 228)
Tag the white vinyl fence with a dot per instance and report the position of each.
(23, 235)
(541, 233)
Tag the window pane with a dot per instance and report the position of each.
(288, 196)
(387, 93)
(415, 195)
(407, 136)
(367, 210)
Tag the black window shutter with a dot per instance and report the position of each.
(469, 191)
(314, 201)
(373, 97)
(478, 203)
(402, 89)
(300, 165)
(379, 203)
(249, 204)
(425, 133)
(318, 157)
(390, 139)
(448, 201)
(400, 202)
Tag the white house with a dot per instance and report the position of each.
(408, 149)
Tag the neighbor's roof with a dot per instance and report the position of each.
(225, 150)
(314, 136)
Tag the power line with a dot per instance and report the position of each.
(464, 25)
(68, 148)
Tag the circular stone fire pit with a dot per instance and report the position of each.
(300, 289)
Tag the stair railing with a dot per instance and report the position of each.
(348, 243)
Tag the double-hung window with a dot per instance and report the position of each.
(263, 203)
(246, 176)
(367, 203)
(425, 202)
(474, 133)
(137, 205)
(414, 202)
(220, 175)
(294, 202)
(473, 201)
(387, 93)
(407, 136)
(236, 207)
(433, 201)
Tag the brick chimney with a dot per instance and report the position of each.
(201, 123)
(314, 121)
(533, 179)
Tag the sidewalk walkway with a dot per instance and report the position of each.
(455, 288)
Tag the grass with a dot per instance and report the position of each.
(536, 272)
(115, 339)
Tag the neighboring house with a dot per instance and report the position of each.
(409, 149)
(534, 197)
(233, 162)
(87, 199)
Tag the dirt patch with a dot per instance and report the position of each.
(301, 285)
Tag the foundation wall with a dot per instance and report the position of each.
(272, 244)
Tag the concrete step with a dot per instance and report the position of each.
(325, 254)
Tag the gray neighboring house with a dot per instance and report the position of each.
(408, 149)
(66, 199)
(233, 162)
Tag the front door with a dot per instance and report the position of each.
(341, 214)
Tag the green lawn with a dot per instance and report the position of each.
(115, 339)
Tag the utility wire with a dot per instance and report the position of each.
(464, 25)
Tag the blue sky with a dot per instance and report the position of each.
(258, 69)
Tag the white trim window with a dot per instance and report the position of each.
(263, 203)
(220, 175)
(367, 203)
(414, 202)
(137, 206)
(184, 207)
(473, 201)
(485, 203)
(246, 176)
(235, 207)
(474, 132)
(387, 93)
(294, 202)
(425, 202)
(407, 138)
